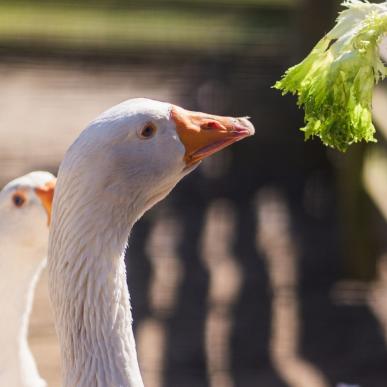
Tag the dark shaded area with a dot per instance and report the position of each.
(189, 315)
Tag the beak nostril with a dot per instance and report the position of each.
(212, 125)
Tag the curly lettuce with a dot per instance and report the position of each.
(334, 83)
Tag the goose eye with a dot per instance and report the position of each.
(148, 131)
(18, 200)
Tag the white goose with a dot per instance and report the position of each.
(122, 164)
(25, 205)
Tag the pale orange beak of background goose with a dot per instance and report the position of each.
(205, 134)
(46, 195)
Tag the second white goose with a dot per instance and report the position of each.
(25, 206)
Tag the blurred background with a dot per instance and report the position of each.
(267, 267)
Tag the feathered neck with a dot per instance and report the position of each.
(17, 285)
(88, 290)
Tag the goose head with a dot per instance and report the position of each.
(123, 163)
(25, 207)
(141, 148)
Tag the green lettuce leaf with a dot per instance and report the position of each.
(334, 83)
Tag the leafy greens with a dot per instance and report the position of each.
(334, 83)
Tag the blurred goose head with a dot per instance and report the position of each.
(25, 207)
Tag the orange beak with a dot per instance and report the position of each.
(46, 195)
(204, 134)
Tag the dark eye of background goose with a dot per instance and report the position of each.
(18, 200)
(148, 131)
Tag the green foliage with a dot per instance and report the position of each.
(76, 27)
(334, 83)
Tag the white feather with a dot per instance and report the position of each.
(107, 180)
